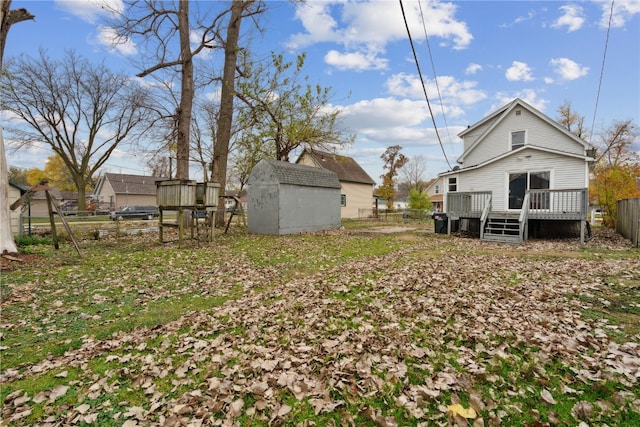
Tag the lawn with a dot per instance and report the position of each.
(336, 328)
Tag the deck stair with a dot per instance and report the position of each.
(502, 227)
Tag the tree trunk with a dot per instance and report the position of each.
(186, 96)
(6, 236)
(7, 18)
(225, 119)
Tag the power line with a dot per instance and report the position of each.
(435, 75)
(424, 89)
(604, 57)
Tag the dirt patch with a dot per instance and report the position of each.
(9, 262)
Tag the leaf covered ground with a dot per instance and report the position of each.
(336, 328)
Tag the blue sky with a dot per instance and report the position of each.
(484, 53)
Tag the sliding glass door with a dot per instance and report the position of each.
(519, 183)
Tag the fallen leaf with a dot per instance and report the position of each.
(458, 409)
(547, 397)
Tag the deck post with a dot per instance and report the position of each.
(582, 227)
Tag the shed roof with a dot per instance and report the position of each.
(345, 167)
(293, 174)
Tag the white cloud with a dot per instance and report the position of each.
(568, 69)
(366, 28)
(473, 68)
(90, 10)
(530, 96)
(452, 91)
(381, 113)
(623, 11)
(357, 61)
(109, 37)
(572, 18)
(519, 71)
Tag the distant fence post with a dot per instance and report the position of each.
(628, 219)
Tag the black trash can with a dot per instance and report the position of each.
(440, 222)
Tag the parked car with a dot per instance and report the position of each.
(129, 212)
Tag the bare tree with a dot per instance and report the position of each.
(571, 120)
(8, 17)
(83, 112)
(413, 173)
(163, 30)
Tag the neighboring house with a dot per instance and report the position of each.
(356, 193)
(114, 191)
(36, 205)
(15, 192)
(435, 192)
(521, 173)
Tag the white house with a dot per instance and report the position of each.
(521, 173)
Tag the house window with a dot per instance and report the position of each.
(517, 139)
(343, 200)
(453, 184)
(437, 189)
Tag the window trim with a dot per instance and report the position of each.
(454, 183)
(524, 142)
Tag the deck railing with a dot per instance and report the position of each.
(467, 204)
(558, 204)
(570, 204)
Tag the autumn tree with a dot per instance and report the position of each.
(616, 174)
(286, 111)
(8, 17)
(56, 172)
(82, 111)
(394, 160)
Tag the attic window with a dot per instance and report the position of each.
(518, 112)
(517, 139)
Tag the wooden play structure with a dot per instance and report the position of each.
(180, 195)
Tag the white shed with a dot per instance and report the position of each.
(286, 198)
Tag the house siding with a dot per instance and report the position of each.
(359, 196)
(565, 173)
(538, 133)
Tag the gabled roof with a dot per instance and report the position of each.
(512, 153)
(499, 115)
(294, 174)
(131, 184)
(345, 167)
(40, 195)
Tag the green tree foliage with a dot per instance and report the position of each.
(394, 160)
(285, 111)
(18, 175)
(419, 200)
(616, 174)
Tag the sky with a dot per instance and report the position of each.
(474, 57)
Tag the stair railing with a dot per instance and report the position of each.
(523, 220)
(485, 215)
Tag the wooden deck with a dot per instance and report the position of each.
(545, 205)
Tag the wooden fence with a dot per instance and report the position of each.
(628, 219)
